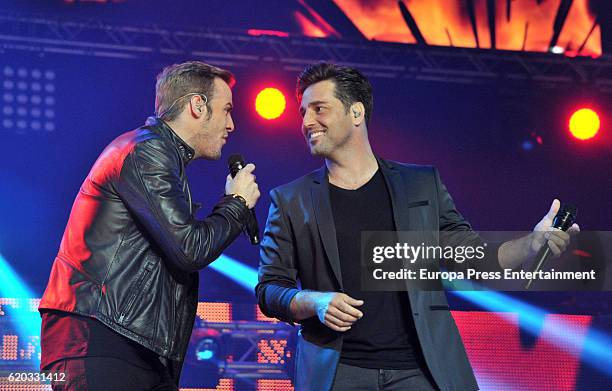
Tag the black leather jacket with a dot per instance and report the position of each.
(132, 248)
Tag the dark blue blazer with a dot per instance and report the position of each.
(299, 243)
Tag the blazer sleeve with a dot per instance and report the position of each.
(277, 269)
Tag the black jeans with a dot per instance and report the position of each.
(353, 378)
(109, 373)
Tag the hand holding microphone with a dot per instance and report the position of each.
(553, 242)
(241, 182)
(244, 185)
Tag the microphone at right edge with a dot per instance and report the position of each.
(235, 164)
(563, 220)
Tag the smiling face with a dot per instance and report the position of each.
(216, 125)
(326, 124)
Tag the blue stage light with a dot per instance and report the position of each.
(205, 354)
(236, 271)
(11, 285)
(27, 322)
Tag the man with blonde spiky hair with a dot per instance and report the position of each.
(121, 299)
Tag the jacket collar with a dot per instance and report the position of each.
(187, 153)
(320, 175)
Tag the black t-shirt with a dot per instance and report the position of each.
(67, 335)
(385, 337)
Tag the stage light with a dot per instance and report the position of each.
(23, 93)
(557, 50)
(206, 349)
(595, 349)
(205, 360)
(584, 124)
(527, 145)
(242, 274)
(273, 33)
(270, 103)
(26, 319)
(11, 284)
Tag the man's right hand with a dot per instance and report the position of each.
(243, 184)
(337, 310)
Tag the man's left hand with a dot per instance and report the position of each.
(544, 232)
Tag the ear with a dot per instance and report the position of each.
(197, 106)
(357, 113)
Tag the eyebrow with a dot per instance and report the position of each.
(313, 103)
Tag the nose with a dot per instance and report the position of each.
(308, 121)
(229, 125)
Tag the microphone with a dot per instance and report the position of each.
(235, 163)
(563, 220)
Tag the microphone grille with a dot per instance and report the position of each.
(568, 209)
(235, 158)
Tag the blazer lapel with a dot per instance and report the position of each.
(397, 193)
(325, 220)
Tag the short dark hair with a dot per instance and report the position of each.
(177, 80)
(351, 85)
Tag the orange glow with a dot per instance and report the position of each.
(9, 347)
(447, 22)
(574, 33)
(215, 312)
(270, 103)
(380, 21)
(539, 20)
(482, 23)
(224, 385)
(274, 385)
(271, 351)
(259, 316)
(584, 124)
(442, 23)
(319, 21)
(308, 28)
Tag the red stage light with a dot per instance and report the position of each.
(584, 124)
(274, 33)
(270, 103)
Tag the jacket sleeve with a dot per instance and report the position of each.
(277, 268)
(150, 185)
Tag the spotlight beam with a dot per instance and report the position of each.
(27, 322)
(236, 271)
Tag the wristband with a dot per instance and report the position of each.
(239, 198)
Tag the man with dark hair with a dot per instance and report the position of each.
(352, 339)
(350, 86)
(121, 299)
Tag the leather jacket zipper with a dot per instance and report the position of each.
(136, 291)
(173, 318)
